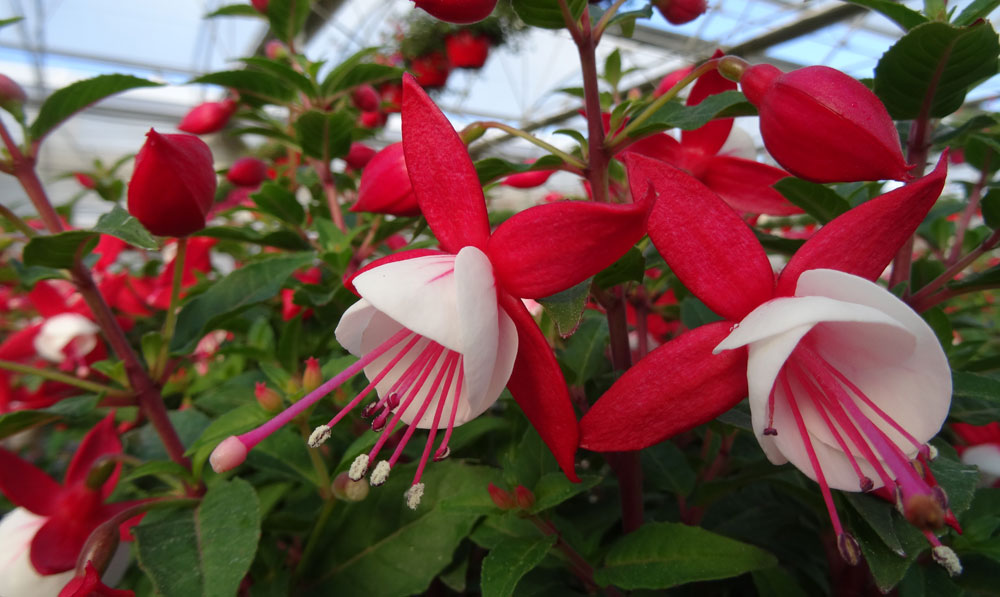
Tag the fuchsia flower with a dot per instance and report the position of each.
(466, 49)
(845, 381)
(247, 171)
(359, 155)
(71, 510)
(365, 98)
(982, 449)
(431, 70)
(678, 12)
(90, 585)
(529, 179)
(823, 125)
(440, 333)
(208, 117)
(741, 181)
(385, 185)
(458, 11)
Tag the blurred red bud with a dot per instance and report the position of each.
(312, 376)
(458, 11)
(371, 120)
(260, 5)
(385, 185)
(501, 498)
(173, 184)
(207, 117)
(678, 12)
(12, 96)
(275, 50)
(247, 172)
(524, 498)
(431, 71)
(466, 49)
(267, 398)
(365, 98)
(824, 126)
(359, 155)
(85, 180)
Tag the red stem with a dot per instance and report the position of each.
(970, 210)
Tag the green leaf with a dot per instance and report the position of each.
(566, 307)
(70, 409)
(819, 201)
(613, 68)
(235, 10)
(584, 352)
(58, 250)
(262, 85)
(119, 223)
(66, 101)
(360, 74)
(978, 9)
(990, 205)
(631, 267)
(324, 135)
(903, 16)
(885, 563)
(546, 13)
(491, 169)
(554, 488)
(666, 554)
(975, 398)
(777, 581)
(247, 285)
(667, 469)
(282, 239)
(935, 63)
(10, 21)
(675, 114)
(281, 203)
(157, 468)
(28, 276)
(287, 17)
(511, 559)
(986, 279)
(203, 551)
(283, 72)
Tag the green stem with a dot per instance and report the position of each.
(605, 18)
(313, 539)
(569, 159)
(69, 380)
(18, 223)
(170, 324)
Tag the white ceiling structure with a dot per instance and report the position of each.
(60, 41)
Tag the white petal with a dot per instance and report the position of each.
(502, 366)
(59, 330)
(739, 144)
(419, 294)
(351, 327)
(18, 577)
(986, 457)
(477, 317)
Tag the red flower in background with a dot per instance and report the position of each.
(431, 71)
(466, 49)
(458, 11)
(208, 117)
(385, 185)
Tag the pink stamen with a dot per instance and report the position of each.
(443, 451)
(452, 365)
(254, 437)
(449, 358)
(429, 357)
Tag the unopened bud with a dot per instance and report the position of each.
(275, 50)
(472, 132)
(500, 497)
(312, 376)
(849, 549)
(732, 67)
(228, 455)
(524, 498)
(948, 559)
(12, 96)
(100, 473)
(413, 495)
(347, 489)
(267, 398)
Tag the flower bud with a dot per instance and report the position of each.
(86, 181)
(247, 172)
(359, 155)
(12, 96)
(524, 498)
(312, 376)
(345, 488)
(472, 132)
(458, 11)
(528, 180)
(824, 126)
(207, 117)
(267, 398)
(502, 499)
(385, 185)
(678, 12)
(371, 120)
(173, 184)
(229, 454)
(431, 71)
(466, 49)
(275, 50)
(260, 5)
(365, 98)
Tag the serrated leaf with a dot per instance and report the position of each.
(975, 398)
(938, 63)
(546, 13)
(119, 223)
(70, 99)
(212, 544)
(510, 560)
(261, 85)
(665, 554)
(287, 17)
(566, 308)
(903, 16)
(324, 135)
(676, 114)
(247, 285)
(235, 10)
(281, 203)
(554, 488)
(58, 250)
(819, 201)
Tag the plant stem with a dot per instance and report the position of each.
(578, 564)
(970, 210)
(326, 179)
(605, 18)
(18, 223)
(569, 159)
(69, 380)
(317, 530)
(597, 163)
(927, 298)
(170, 324)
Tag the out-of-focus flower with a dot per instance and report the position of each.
(359, 155)
(458, 11)
(385, 185)
(431, 71)
(678, 12)
(18, 578)
(85, 180)
(275, 50)
(365, 98)
(528, 180)
(372, 119)
(465, 49)
(670, 79)
(173, 184)
(260, 5)
(981, 448)
(247, 172)
(208, 117)
(90, 585)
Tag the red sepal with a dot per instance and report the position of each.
(27, 485)
(710, 137)
(746, 186)
(538, 387)
(705, 242)
(678, 386)
(401, 256)
(442, 174)
(99, 441)
(549, 248)
(864, 240)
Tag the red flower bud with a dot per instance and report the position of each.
(267, 398)
(458, 11)
(465, 49)
(359, 155)
(12, 96)
(392, 96)
(366, 98)
(312, 376)
(823, 125)
(679, 12)
(385, 185)
(528, 180)
(207, 117)
(671, 79)
(275, 50)
(173, 184)
(524, 498)
(85, 180)
(371, 120)
(502, 499)
(431, 71)
(247, 172)
(260, 5)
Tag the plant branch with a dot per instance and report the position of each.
(970, 210)
(569, 159)
(326, 179)
(606, 18)
(171, 320)
(927, 296)
(61, 377)
(597, 162)
(18, 223)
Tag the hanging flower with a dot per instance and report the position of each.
(458, 11)
(845, 381)
(208, 117)
(440, 333)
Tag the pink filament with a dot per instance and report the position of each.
(446, 365)
(442, 449)
(455, 361)
(381, 374)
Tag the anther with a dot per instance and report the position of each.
(358, 468)
(932, 452)
(867, 484)
(378, 423)
(770, 431)
(319, 436)
(948, 559)
(380, 474)
(442, 453)
(393, 401)
(413, 495)
(924, 512)
(849, 549)
(369, 410)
